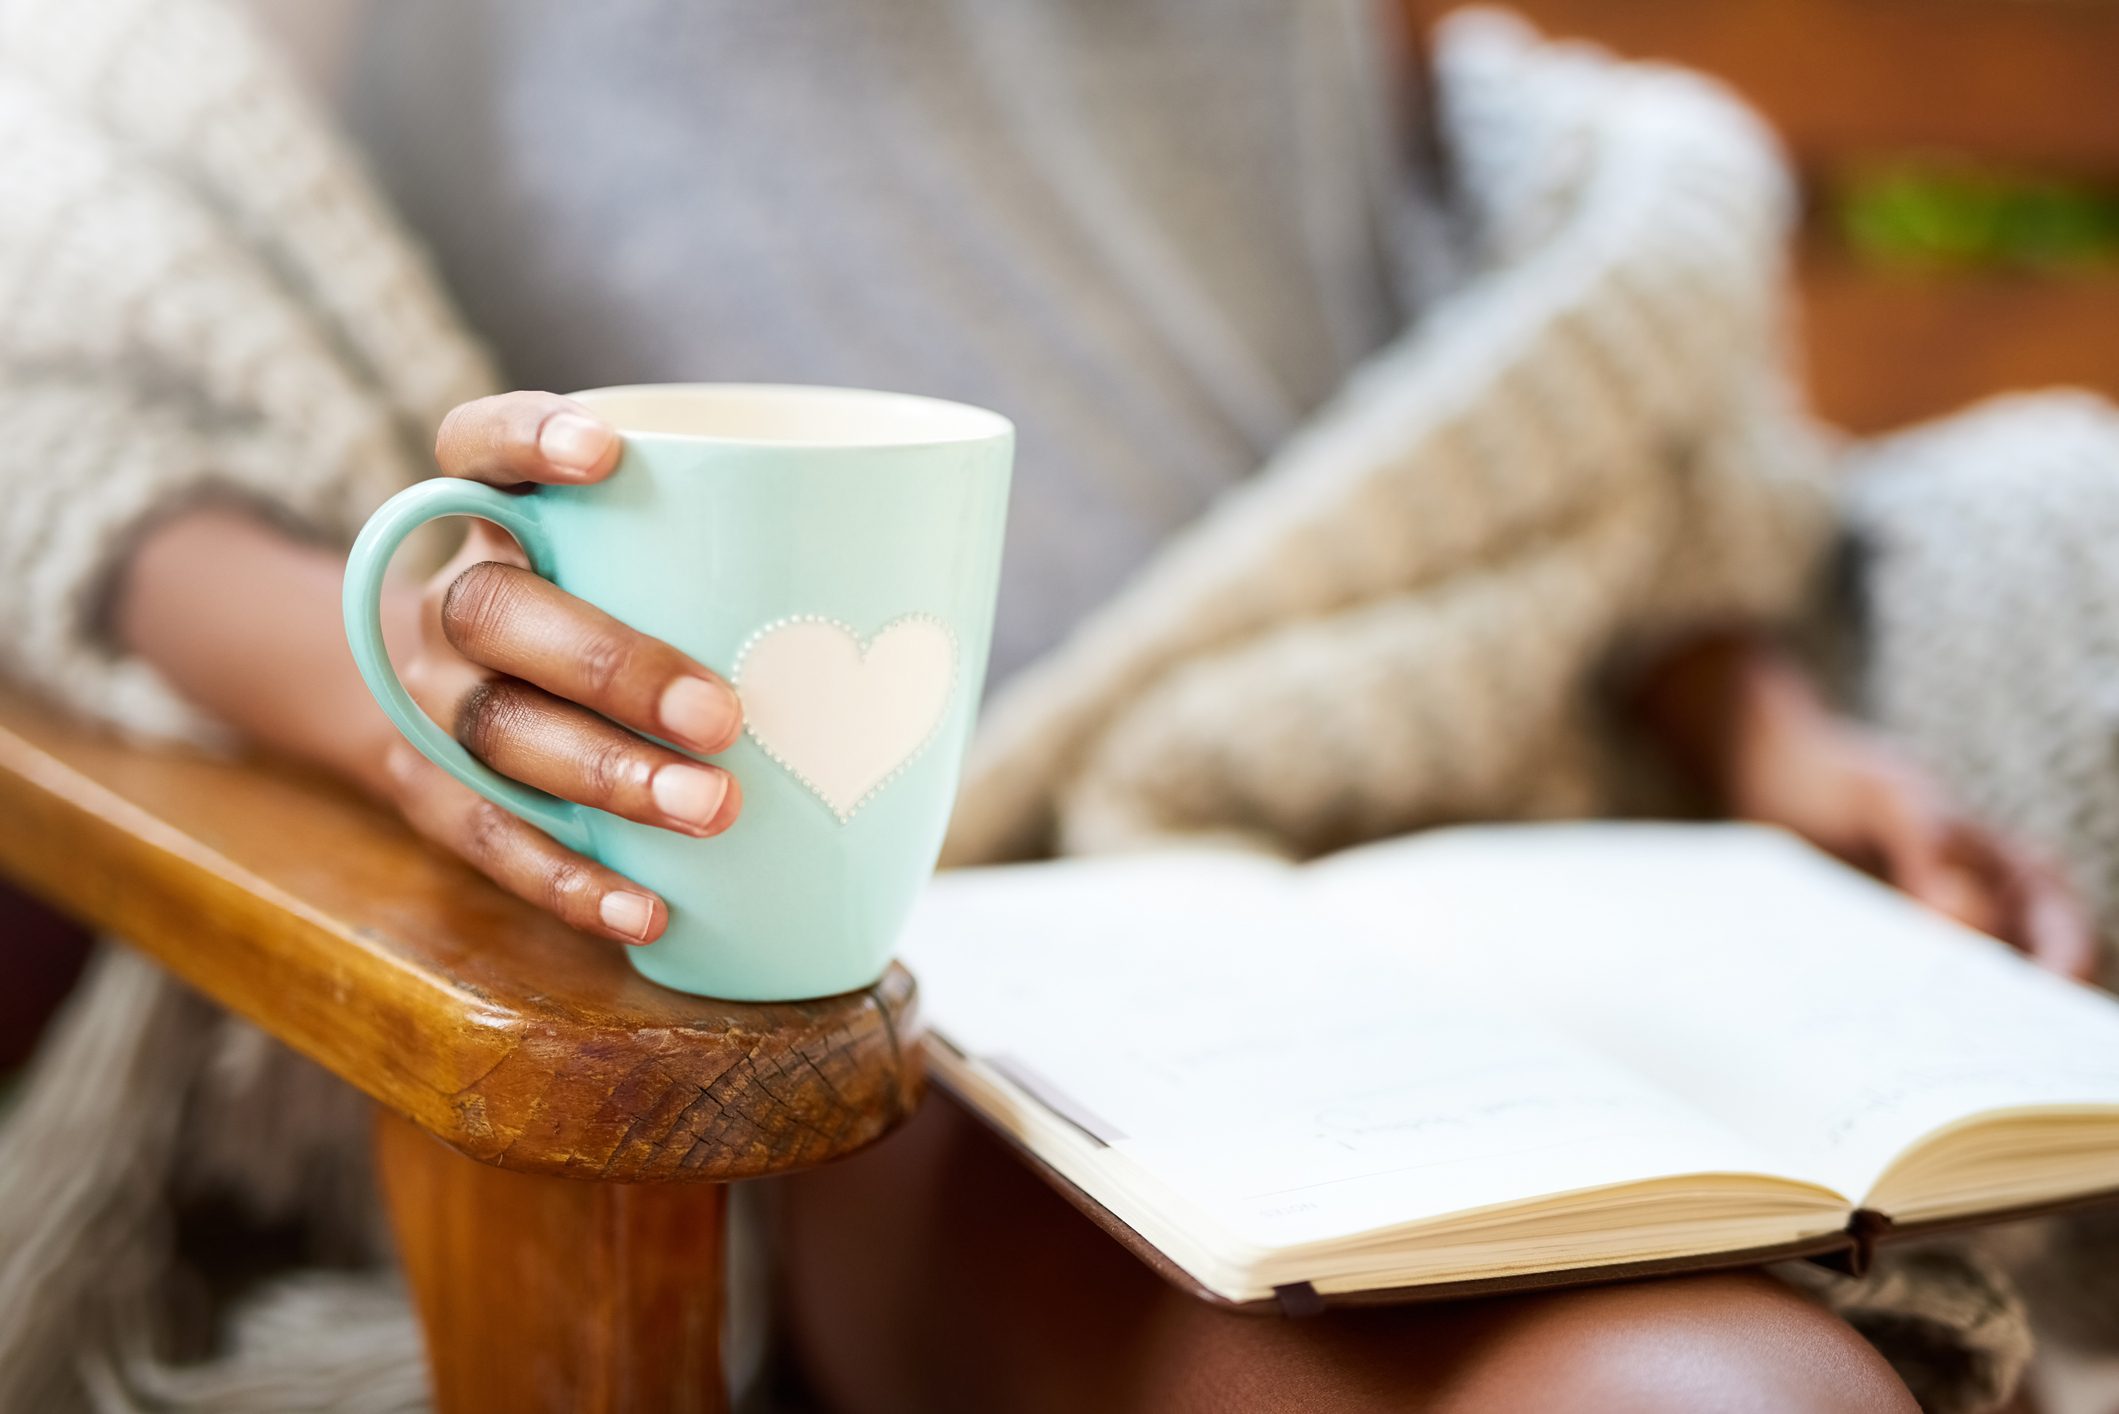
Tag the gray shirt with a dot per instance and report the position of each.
(1155, 233)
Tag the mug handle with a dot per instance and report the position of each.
(379, 540)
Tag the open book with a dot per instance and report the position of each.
(1516, 1055)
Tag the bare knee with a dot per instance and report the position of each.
(1704, 1345)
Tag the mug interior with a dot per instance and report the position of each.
(792, 415)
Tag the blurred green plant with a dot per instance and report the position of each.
(1941, 213)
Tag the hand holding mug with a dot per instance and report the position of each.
(830, 557)
(553, 692)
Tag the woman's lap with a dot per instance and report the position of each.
(937, 1273)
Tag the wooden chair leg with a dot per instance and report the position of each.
(553, 1294)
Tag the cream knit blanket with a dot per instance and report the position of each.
(200, 294)
(1590, 446)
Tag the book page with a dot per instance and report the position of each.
(1805, 1005)
(1187, 1011)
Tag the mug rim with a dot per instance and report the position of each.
(978, 424)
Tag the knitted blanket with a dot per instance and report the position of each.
(200, 296)
(1590, 446)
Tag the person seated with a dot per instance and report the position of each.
(1505, 466)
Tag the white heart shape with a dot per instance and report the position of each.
(843, 716)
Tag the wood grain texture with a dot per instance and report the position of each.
(543, 1295)
(2021, 82)
(486, 1022)
(1885, 350)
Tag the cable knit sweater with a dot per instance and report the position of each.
(199, 295)
(1589, 447)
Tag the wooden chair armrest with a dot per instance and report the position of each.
(487, 1023)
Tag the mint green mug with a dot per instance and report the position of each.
(834, 554)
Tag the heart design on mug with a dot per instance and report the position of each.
(844, 716)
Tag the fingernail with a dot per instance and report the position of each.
(701, 713)
(573, 442)
(691, 794)
(630, 914)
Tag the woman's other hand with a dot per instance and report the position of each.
(1749, 724)
(1849, 792)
